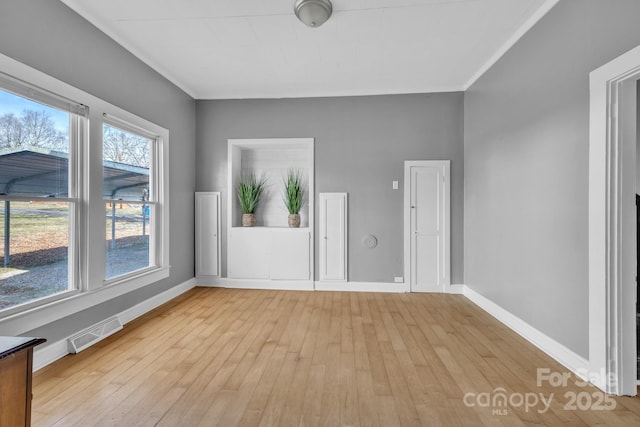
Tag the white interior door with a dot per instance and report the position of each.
(207, 234)
(427, 258)
(333, 237)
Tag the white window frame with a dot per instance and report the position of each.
(93, 289)
(77, 123)
(156, 248)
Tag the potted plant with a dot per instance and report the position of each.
(249, 191)
(293, 196)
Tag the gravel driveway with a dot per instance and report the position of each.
(18, 285)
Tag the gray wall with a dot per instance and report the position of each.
(360, 146)
(48, 36)
(526, 166)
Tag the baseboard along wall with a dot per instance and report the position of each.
(568, 358)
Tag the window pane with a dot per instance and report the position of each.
(127, 236)
(126, 160)
(34, 148)
(37, 252)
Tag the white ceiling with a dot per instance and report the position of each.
(220, 49)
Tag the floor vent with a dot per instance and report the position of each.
(95, 333)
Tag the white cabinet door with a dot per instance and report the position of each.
(248, 253)
(207, 234)
(289, 255)
(333, 237)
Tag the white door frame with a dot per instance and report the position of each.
(446, 165)
(609, 301)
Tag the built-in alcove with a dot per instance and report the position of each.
(273, 158)
(270, 250)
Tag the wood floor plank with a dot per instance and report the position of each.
(259, 364)
(294, 402)
(387, 413)
(275, 405)
(73, 368)
(313, 396)
(381, 385)
(360, 352)
(404, 404)
(254, 410)
(348, 391)
(231, 357)
(367, 407)
(138, 392)
(324, 334)
(330, 399)
(210, 373)
(307, 350)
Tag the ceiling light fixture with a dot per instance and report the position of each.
(313, 13)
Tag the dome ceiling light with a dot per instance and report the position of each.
(313, 13)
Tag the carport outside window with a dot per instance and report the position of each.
(129, 198)
(37, 197)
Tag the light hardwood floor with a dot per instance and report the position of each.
(277, 358)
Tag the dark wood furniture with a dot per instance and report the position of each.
(16, 367)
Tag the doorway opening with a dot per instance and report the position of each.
(613, 362)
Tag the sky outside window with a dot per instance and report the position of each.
(10, 103)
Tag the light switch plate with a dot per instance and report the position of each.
(395, 185)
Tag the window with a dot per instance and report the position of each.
(60, 235)
(38, 196)
(129, 198)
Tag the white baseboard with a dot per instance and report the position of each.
(57, 350)
(360, 286)
(571, 360)
(296, 285)
(42, 356)
(155, 301)
(455, 289)
(281, 285)
(210, 281)
(299, 285)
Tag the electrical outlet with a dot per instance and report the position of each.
(398, 279)
(394, 185)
